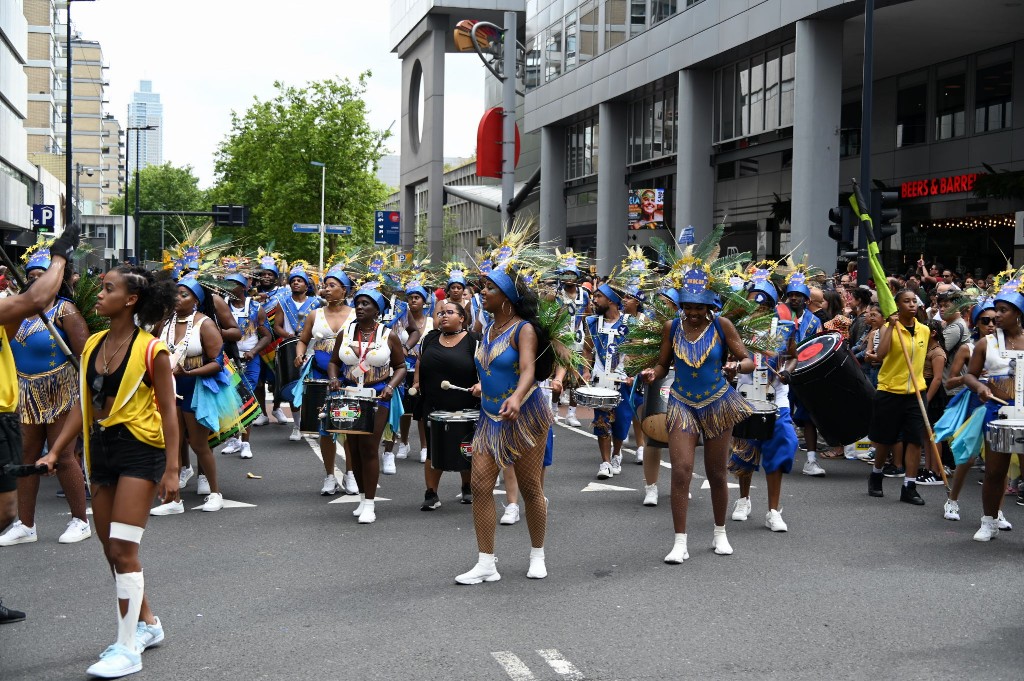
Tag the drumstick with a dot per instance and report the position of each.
(446, 385)
(413, 391)
(996, 399)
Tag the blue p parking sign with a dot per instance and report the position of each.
(43, 215)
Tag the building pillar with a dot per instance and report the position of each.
(695, 176)
(552, 185)
(818, 99)
(612, 190)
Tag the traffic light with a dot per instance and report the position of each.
(230, 216)
(844, 224)
(884, 212)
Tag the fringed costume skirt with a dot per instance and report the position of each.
(709, 418)
(44, 398)
(505, 440)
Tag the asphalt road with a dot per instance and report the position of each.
(292, 587)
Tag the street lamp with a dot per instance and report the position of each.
(78, 191)
(323, 190)
(69, 147)
(127, 171)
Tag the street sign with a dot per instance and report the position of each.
(42, 215)
(387, 227)
(230, 216)
(341, 230)
(305, 229)
(687, 236)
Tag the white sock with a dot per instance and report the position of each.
(907, 480)
(486, 560)
(719, 529)
(130, 587)
(367, 505)
(362, 504)
(537, 553)
(812, 456)
(572, 411)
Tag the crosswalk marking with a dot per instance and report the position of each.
(228, 503)
(561, 665)
(518, 671)
(513, 666)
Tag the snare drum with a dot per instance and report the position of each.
(760, 425)
(1005, 436)
(597, 398)
(348, 414)
(451, 439)
(314, 394)
(285, 370)
(655, 419)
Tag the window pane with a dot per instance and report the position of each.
(638, 131)
(614, 23)
(849, 129)
(533, 63)
(661, 10)
(588, 32)
(570, 41)
(588, 148)
(729, 114)
(911, 121)
(992, 98)
(553, 52)
(949, 106)
(637, 17)
(757, 95)
(771, 91)
(788, 80)
(670, 121)
(742, 99)
(594, 149)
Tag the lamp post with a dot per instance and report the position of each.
(323, 191)
(78, 191)
(68, 146)
(127, 171)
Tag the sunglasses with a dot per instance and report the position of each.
(986, 320)
(98, 398)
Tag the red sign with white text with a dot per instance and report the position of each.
(937, 186)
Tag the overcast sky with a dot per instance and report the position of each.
(207, 58)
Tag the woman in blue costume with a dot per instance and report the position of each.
(48, 389)
(290, 318)
(514, 419)
(702, 403)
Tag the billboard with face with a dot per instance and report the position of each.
(646, 209)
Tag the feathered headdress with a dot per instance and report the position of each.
(38, 256)
(570, 264)
(269, 260)
(798, 276)
(634, 276)
(197, 252)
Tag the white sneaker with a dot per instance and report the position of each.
(720, 543)
(651, 495)
(616, 464)
(1002, 523)
(349, 483)
(538, 570)
(423, 455)
(359, 507)
(678, 553)
(261, 420)
(639, 456)
(741, 510)
(202, 485)
(148, 635)
(232, 446)
(184, 475)
(571, 420)
(214, 502)
(245, 452)
(296, 435)
(18, 534)
(170, 508)
(76, 532)
(403, 451)
(281, 418)
(774, 522)
(604, 471)
(116, 661)
(485, 570)
(388, 467)
(813, 469)
(951, 510)
(330, 486)
(989, 529)
(511, 515)
(368, 514)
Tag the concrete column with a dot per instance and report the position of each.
(695, 176)
(552, 185)
(818, 99)
(612, 194)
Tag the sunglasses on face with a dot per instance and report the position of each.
(986, 320)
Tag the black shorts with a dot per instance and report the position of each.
(114, 452)
(10, 449)
(896, 418)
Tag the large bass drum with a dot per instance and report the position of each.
(831, 386)
(285, 370)
(314, 395)
(654, 420)
(451, 439)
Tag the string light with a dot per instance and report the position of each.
(982, 222)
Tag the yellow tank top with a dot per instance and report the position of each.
(8, 376)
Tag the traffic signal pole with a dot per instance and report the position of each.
(865, 134)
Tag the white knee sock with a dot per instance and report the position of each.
(130, 587)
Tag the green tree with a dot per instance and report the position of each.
(163, 187)
(265, 163)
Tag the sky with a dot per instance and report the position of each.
(207, 58)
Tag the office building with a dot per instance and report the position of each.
(145, 109)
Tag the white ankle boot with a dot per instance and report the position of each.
(989, 529)
(368, 514)
(538, 570)
(483, 571)
(678, 553)
(720, 543)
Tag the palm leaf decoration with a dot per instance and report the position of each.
(86, 294)
(554, 318)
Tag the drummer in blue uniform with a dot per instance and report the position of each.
(268, 291)
(291, 317)
(577, 299)
(806, 324)
(776, 454)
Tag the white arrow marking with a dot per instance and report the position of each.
(230, 504)
(354, 499)
(600, 487)
(707, 485)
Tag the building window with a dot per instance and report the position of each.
(570, 41)
(588, 31)
(951, 105)
(637, 17)
(531, 78)
(788, 82)
(614, 23)
(553, 52)
(652, 126)
(992, 97)
(662, 9)
(911, 115)
(771, 90)
(755, 95)
(849, 129)
(581, 148)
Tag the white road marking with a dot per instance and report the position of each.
(228, 503)
(732, 485)
(664, 464)
(354, 499)
(561, 665)
(601, 487)
(513, 666)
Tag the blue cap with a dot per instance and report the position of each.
(193, 285)
(373, 294)
(982, 305)
(338, 273)
(610, 294)
(269, 264)
(505, 284)
(39, 260)
(672, 294)
(766, 292)
(797, 284)
(417, 287)
(456, 277)
(1010, 294)
(302, 274)
(238, 279)
(695, 289)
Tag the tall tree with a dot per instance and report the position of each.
(163, 187)
(265, 163)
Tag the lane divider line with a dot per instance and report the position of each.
(561, 665)
(513, 666)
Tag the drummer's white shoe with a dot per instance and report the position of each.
(1002, 523)
(202, 485)
(281, 418)
(511, 515)
(604, 471)
(245, 452)
(989, 529)
(651, 495)
(813, 469)
(616, 464)
(330, 487)
(232, 446)
(639, 456)
(296, 435)
(403, 450)
(349, 483)
(741, 510)
(388, 467)
(678, 553)
(368, 515)
(774, 522)
(570, 418)
(538, 570)
(423, 455)
(484, 571)
(261, 420)
(359, 507)
(720, 543)
(951, 510)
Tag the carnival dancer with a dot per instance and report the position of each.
(806, 324)
(776, 454)
(14, 309)
(290, 319)
(701, 403)
(896, 415)
(128, 420)
(195, 345)
(48, 390)
(368, 359)
(316, 345)
(268, 290)
(577, 299)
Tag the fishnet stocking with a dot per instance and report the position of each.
(528, 472)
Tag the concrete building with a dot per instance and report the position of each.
(145, 109)
(18, 176)
(724, 105)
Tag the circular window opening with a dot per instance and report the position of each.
(417, 105)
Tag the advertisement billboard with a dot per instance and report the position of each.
(646, 208)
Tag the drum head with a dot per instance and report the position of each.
(815, 350)
(762, 407)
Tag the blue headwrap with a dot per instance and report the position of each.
(797, 284)
(456, 277)
(39, 260)
(193, 285)
(373, 294)
(695, 289)
(1010, 294)
(238, 279)
(416, 286)
(268, 263)
(302, 274)
(983, 304)
(504, 282)
(337, 272)
(610, 294)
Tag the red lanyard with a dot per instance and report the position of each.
(359, 351)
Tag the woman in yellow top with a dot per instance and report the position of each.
(897, 415)
(131, 446)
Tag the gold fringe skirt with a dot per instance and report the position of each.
(44, 398)
(506, 441)
(708, 420)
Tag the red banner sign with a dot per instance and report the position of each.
(937, 186)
